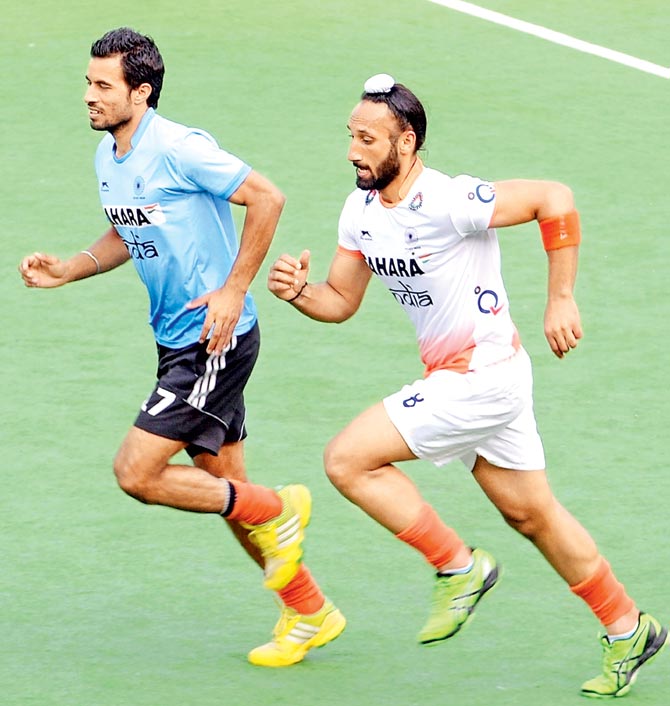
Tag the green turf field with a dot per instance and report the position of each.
(105, 602)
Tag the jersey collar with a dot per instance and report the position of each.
(408, 182)
(142, 127)
(137, 135)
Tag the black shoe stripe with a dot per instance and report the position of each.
(489, 582)
(654, 643)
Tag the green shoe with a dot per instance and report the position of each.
(623, 658)
(455, 597)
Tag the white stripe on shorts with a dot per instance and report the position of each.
(207, 382)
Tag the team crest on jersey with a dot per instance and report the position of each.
(370, 196)
(135, 216)
(413, 246)
(138, 186)
(411, 239)
(416, 202)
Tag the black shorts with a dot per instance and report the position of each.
(198, 396)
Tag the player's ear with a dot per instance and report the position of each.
(141, 93)
(408, 142)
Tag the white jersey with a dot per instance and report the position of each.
(441, 262)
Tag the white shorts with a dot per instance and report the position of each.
(488, 413)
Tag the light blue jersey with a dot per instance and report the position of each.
(167, 198)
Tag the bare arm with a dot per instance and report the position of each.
(332, 301)
(520, 201)
(523, 200)
(47, 271)
(264, 203)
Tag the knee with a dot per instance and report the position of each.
(338, 466)
(529, 520)
(131, 478)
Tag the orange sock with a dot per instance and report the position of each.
(430, 536)
(606, 597)
(302, 593)
(253, 504)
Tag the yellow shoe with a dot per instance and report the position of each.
(280, 539)
(294, 635)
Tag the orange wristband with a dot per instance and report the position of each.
(561, 231)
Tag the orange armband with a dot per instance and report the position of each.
(561, 231)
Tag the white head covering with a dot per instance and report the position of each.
(380, 83)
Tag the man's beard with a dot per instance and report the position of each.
(387, 171)
(119, 118)
(109, 126)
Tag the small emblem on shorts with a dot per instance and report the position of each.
(413, 400)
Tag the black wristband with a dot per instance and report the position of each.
(292, 299)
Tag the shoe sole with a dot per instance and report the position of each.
(489, 583)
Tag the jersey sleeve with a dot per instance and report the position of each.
(347, 236)
(200, 161)
(472, 202)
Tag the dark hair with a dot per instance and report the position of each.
(406, 108)
(140, 59)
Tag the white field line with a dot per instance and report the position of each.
(550, 35)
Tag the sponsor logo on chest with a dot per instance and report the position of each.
(135, 216)
(394, 266)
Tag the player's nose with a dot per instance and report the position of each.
(354, 154)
